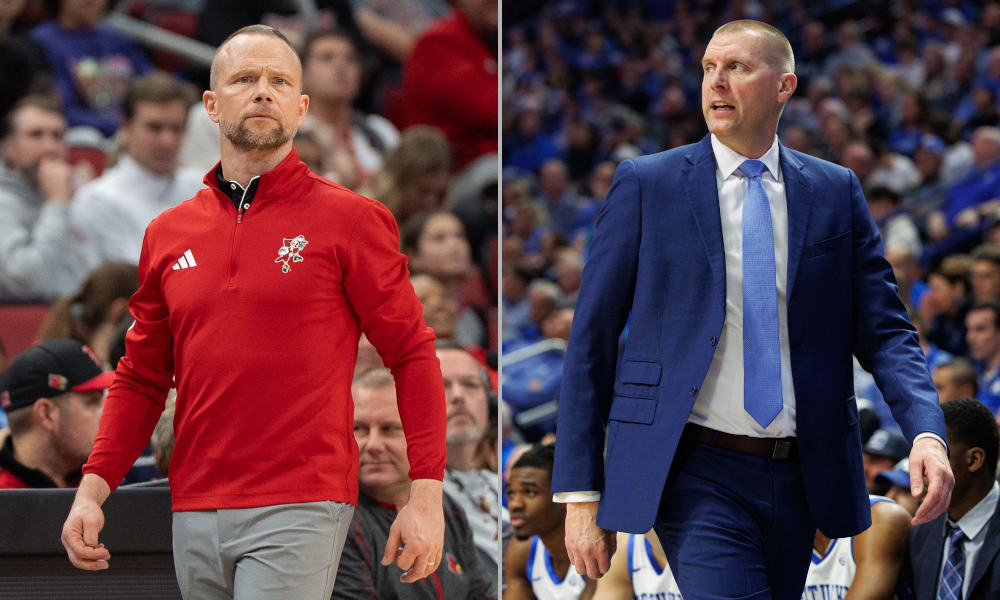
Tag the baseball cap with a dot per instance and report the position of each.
(899, 475)
(889, 443)
(49, 369)
(932, 143)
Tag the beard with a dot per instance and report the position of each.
(245, 140)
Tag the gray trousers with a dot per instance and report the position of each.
(282, 552)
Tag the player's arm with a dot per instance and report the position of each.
(516, 569)
(879, 553)
(617, 582)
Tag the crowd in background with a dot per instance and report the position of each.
(101, 134)
(906, 93)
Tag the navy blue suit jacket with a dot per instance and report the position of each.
(926, 557)
(658, 253)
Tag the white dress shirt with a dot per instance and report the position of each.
(974, 524)
(720, 402)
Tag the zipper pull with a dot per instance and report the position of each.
(239, 217)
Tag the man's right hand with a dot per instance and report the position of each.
(85, 522)
(590, 548)
(55, 177)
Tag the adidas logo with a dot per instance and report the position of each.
(185, 261)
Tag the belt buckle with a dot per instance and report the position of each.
(782, 450)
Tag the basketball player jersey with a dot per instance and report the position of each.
(832, 573)
(649, 581)
(544, 582)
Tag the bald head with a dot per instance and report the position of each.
(223, 53)
(777, 50)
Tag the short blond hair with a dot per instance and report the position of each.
(777, 49)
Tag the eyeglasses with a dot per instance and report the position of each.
(469, 385)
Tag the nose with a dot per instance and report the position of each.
(263, 91)
(514, 502)
(718, 79)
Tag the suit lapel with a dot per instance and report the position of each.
(928, 560)
(799, 198)
(698, 178)
(991, 545)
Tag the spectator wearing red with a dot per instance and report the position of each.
(450, 80)
(53, 395)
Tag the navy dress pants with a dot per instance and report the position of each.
(735, 525)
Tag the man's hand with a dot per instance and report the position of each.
(419, 528)
(928, 460)
(85, 521)
(55, 177)
(590, 548)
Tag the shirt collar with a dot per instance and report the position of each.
(728, 160)
(972, 522)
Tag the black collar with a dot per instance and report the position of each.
(235, 191)
(30, 477)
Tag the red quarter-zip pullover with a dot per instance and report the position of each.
(260, 333)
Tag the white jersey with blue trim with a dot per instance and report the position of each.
(830, 575)
(544, 582)
(649, 581)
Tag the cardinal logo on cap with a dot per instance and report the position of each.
(58, 382)
(4, 399)
(290, 252)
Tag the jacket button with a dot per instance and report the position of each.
(694, 391)
(713, 341)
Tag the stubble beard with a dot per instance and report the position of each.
(248, 141)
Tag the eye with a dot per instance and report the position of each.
(708, 69)
(244, 79)
(279, 81)
(738, 66)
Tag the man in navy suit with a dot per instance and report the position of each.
(957, 556)
(752, 274)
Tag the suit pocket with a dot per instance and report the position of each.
(852, 411)
(632, 410)
(639, 378)
(829, 245)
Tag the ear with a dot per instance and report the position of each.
(788, 83)
(975, 458)
(46, 414)
(303, 108)
(117, 310)
(209, 100)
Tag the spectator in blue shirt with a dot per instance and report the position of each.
(92, 63)
(983, 325)
(972, 197)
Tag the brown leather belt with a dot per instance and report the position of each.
(776, 448)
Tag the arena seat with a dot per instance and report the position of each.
(95, 158)
(19, 325)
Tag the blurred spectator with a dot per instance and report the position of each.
(516, 304)
(971, 198)
(569, 275)
(309, 152)
(983, 325)
(949, 297)
(545, 298)
(22, 60)
(884, 448)
(894, 171)
(898, 481)
(557, 325)
(906, 269)
(40, 254)
(956, 378)
(985, 273)
(352, 143)
(972, 516)
(905, 137)
(475, 490)
(534, 147)
(567, 212)
(113, 210)
(897, 228)
(53, 395)
(92, 63)
(537, 564)
(435, 244)
(92, 316)
(368, 357)
(450, 80)
(440, 309)
(414, 176)
(384, 485)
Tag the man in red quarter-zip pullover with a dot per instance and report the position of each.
(253, 296)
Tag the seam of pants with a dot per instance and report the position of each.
(333, 548)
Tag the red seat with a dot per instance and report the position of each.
(96, 158)
(19, 325)
(177, 21)
(392, 105)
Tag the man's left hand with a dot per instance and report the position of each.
(419, 529)
(929, 460)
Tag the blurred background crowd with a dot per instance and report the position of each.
(102, 128)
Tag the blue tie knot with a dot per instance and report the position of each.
(753, 168)
(957, 536)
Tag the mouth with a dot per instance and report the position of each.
(516, 522)
(722, 107)
(262, 117)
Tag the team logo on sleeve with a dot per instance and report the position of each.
(453, 565)
(291, 251)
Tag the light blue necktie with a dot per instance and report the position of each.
(761, 346)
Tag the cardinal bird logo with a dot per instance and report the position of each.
(58, 382)
(291, 251)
